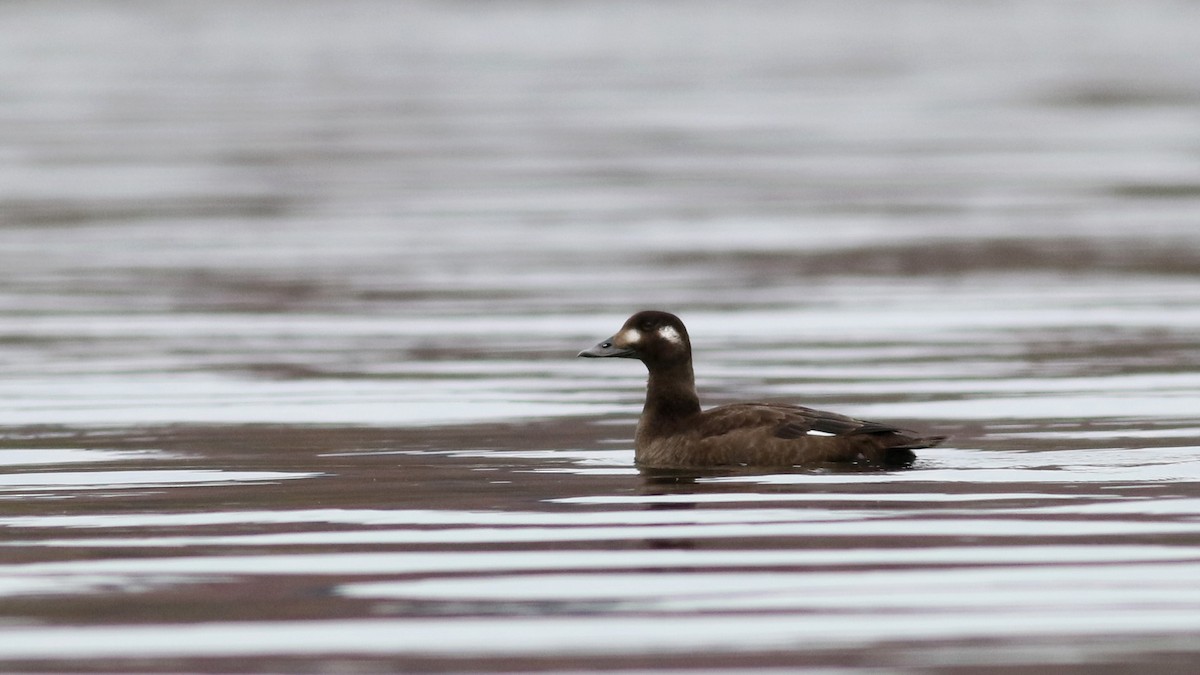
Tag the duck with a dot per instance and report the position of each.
(673, 431)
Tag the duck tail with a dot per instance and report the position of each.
(901, 454)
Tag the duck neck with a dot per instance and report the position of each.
(671, 392)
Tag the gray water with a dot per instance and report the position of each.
(291, 291)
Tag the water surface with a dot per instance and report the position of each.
(291, 294)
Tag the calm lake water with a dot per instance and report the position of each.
(291, 293)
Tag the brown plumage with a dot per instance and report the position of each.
(674, 433)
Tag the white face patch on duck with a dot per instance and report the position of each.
(671, 335)
(631, 337)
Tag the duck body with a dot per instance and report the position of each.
(673, 432)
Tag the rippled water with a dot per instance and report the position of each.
(291, 291)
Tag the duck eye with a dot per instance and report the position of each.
(646, 325)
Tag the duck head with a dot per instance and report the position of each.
(651, 336)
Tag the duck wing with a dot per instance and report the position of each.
(788, 421)
(766, 434)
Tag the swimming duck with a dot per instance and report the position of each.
(674, 433)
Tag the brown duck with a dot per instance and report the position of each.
(674, 433)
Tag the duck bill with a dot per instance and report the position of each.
(608, 349)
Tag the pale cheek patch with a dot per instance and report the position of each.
(631, 337)
(669, 334)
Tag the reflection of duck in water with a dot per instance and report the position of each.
(674, 433)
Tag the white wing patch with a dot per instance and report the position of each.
(669, 334)
(814, 432)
